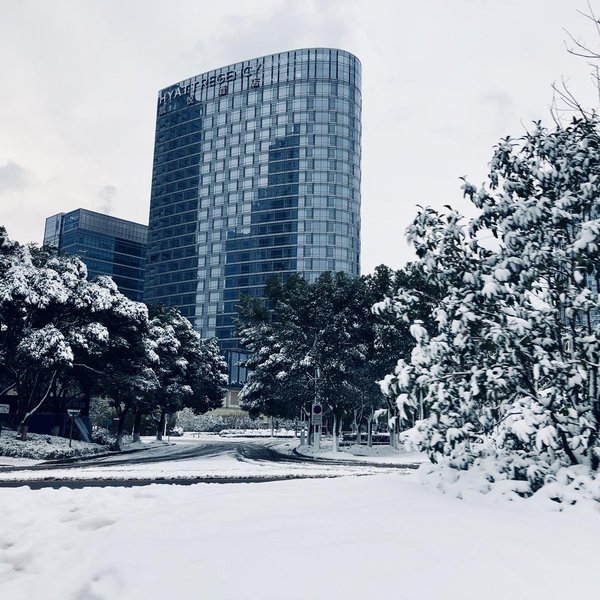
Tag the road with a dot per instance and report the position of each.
(186, 461)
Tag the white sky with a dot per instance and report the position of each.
(443, 81)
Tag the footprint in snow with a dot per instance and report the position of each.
(96, 523)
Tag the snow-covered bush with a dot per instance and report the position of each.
(45, 447)
(102, 436)
(512, 476)
(256, 433)
(188, 421)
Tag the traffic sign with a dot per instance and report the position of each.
(317, 414)
(73, 412)
(4, 409)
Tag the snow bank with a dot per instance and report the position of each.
(384, 454)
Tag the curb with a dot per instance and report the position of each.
(354, 463)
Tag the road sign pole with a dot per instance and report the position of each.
(317, 422)
(317, 437)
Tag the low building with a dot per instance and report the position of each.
(107, 245)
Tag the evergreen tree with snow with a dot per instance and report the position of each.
(315, 344)
(514, 358)
(190, 371)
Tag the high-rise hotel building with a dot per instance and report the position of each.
(256, 173)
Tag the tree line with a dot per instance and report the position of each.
(321, 342)
(64, 339)
(488, 343)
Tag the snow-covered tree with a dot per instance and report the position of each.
(207, 375)
(314, 345)
(420, 293)
(47, 332)
(191, 371)
(64, 338)
(274, 387)
(515, 356)
(126, 374)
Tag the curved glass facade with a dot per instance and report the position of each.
(256, 173)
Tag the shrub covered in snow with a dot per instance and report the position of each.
(210, 423)
(256, 433)
(45, 447)
(511, 476)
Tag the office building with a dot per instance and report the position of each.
(107, 245)
(256, 173)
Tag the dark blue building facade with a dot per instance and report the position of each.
(106, 244)
(256, 173)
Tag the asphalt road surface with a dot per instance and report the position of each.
(259, 452)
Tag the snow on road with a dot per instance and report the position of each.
(348, 538)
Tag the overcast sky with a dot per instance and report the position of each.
(443, 81)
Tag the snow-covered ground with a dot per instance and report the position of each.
(377, 454)
(350, 538)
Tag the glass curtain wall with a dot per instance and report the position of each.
(256, 174)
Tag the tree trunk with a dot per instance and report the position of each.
(23, 432)
(137, 424)
(161, 426)
(25, 413)
(370, 432)
(336, 439)
(55, 431)
(120, 429)
(57, 410)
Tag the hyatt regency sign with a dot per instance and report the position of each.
(219, 80)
